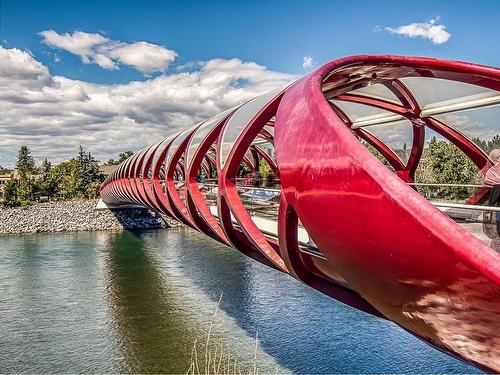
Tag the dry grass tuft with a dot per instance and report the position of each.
(216, 358)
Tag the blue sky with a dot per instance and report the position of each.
(150, 67)
(277, 34)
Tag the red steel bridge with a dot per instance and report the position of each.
(345, 207)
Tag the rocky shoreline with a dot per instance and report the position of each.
(76, 216)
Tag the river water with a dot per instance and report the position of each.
(136, 302)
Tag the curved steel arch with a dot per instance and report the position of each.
(380, 246)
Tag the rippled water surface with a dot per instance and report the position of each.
(135, 302)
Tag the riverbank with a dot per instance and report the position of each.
(75, 216)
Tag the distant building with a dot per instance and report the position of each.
(107, 169)
(4, 178)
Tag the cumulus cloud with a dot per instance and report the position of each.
(482, 124)
(94, 48)
(432, 30)
(53, 115)
(79, 43)
(307, 62)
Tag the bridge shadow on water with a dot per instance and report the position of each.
(152, 331)
(151, 274)
(134, 219)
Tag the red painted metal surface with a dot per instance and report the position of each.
(382, 247)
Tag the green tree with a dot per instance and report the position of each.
(494, 143)
(64, 179)
(88, 172)
(25, 166)
(444, 163)
(45, 169)
(243, 170)
(378, 155)
(78, 177)
(487, 146)
(264, 168)
(46, 185)
(481, 143)
(122, 156)
(10, 194)
(402, 152)
(92, 190)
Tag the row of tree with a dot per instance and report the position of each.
(78, 177)
(444, 163)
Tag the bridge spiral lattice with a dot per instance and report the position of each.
(339, 219)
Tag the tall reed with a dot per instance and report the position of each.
(215, 356)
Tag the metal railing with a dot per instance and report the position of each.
(446, 185)
(268, 208)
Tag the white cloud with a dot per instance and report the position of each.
(53, 115)
(431, 30)
(145, 57)
(94, 48)
(80, 43)
(307, 62)
(18, 67)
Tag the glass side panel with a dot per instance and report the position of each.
(454, 184)
(145, 174)
(140, 168)
(240, 119)
(429, 91)
(135, 162)
(481, 125)
(175, 145)
(269, 129)
(161, 148)
(377, 154)
(268, 148)
(398, 136)
(202, 132)
(249, 155)
(377, 91)
(445, 173)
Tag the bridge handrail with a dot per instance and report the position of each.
(447, 185)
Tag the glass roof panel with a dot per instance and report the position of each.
(429, 134)
(481, 125)
(357, 110)
(362, 114)
(398, 136)
(175, 145)
(240, 119)
(377, 91)
(149, 153)
(429, 91)
(161, 148)
(202, 132)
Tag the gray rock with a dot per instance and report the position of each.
(77, 216)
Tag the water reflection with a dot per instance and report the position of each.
(153, 331)
(52, 317)
(125, 302)
(158, 312)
